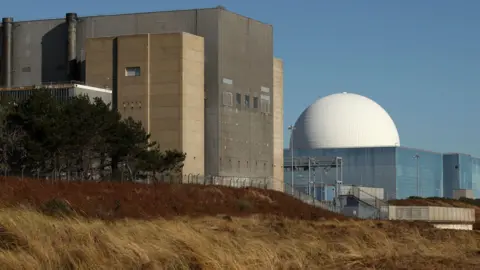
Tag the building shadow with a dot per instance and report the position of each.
(54, 55)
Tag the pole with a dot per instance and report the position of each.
(292, 128)
(309, 179)
(314, 186)
(418, 174)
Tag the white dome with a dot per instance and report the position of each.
(342, 121)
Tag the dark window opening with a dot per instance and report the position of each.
(238, 98)
(247, 101)
(255, 102)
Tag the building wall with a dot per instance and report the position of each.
(430, 173)
(278, 124)
(461, 172)
(371, 167)
(133, 93)
(100, 56)
(193, 103)
(166, 91)
(245, 69)
(392, 168)
(239, 141)
(476, 177)
(451, 174)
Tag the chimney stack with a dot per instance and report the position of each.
(7, 52)
(72, 64)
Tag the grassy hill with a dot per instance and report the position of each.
(134, 226)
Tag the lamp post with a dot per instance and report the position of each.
(292, 128)
(417, 157)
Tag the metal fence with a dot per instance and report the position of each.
(228, 181)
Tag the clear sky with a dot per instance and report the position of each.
(420, 60)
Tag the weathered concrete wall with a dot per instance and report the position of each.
(278, 171)
(245, 68)
(166, 93)
(193, 103)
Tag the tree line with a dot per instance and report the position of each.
(77, 138)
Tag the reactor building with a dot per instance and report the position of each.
(363, 135)
(202, 81)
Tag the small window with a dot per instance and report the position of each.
(255, 102)
(132, 71)
(238, 99)
(227, 99)
(247, 101)
(265, 106)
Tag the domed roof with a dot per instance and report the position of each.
(344, 120)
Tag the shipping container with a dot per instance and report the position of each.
(429, 214)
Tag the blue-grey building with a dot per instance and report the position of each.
(461, 172)
(361, 133)
(402, 172)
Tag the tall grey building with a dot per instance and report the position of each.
(239, 107)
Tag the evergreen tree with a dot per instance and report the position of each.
(77, 138)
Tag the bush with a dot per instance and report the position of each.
(244, 205)
(58, 208)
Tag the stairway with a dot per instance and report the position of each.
(356, 202)
(327, 205)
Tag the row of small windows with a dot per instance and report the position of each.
(247, 101)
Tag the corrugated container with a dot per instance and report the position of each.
(430, 213)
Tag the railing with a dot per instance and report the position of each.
(331, 206)
(366, 198)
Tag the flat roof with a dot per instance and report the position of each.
(219, 7)
(55, 86)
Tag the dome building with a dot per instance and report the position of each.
(362, 133)
(345, 120)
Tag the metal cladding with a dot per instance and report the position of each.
(72, 20)
(7, 52)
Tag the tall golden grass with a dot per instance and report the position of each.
(34, 241)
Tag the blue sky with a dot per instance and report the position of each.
(420, 60)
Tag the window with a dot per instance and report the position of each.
(227, 99)
(255, 102)
(247, 101)
(132, 71)
(238, 99)
(265, 105)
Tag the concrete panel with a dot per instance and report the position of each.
(245, 66)
(40, 54)
(208, 27)
(100, 56)
(133, 91)
(278, 176)
(165, 69)
(193, 104)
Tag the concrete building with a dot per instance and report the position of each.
(160, 81)
(242, 106)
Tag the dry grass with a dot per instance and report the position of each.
(33, 241)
